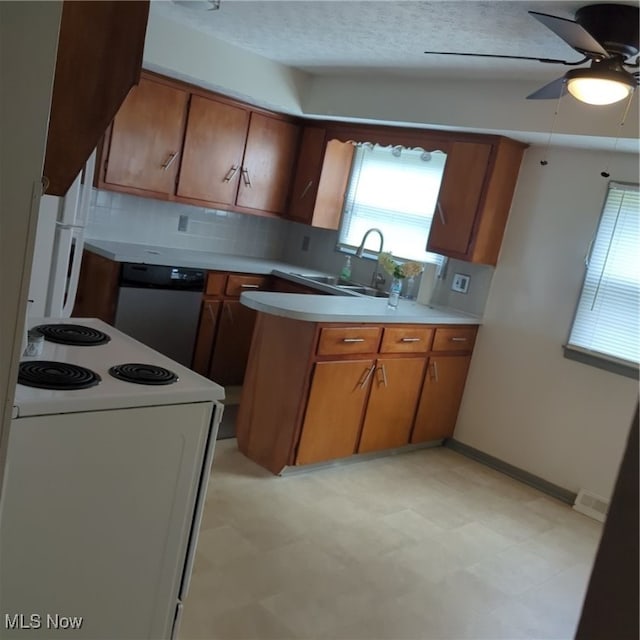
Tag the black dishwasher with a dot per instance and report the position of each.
(160, 306)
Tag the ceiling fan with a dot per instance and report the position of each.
(606, 35)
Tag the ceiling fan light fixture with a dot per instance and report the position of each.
(599, 87)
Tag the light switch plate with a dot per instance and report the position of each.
(460, 283)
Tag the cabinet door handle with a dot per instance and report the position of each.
(213, 320)
(352, 340)
(249, 286)
(229, 312)
(434, 366)
(384, 375)
(169, 160)
(458, 339)
(440, 212)
(245, 177)
(409, 339)
(304, 191)
(230, 173)
(367, 375)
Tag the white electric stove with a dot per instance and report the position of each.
(104, 487)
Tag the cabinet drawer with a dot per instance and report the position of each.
(406, 340)
(339, 340)
(237, 284)
(455, 339)
(215, 284)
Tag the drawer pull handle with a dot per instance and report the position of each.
(352, 340)
(249, 286)
(230, 173)
(169, 160)
(368, 373)
(409, 339)
(458, 339)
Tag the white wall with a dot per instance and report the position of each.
(524, 402)
(182, 52)
(28, 44)
(473, 105)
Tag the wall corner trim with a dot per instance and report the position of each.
(532, 480)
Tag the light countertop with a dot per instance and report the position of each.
(322, 308)
(344, 307)
(169, 256)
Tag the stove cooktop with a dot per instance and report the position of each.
(45, 374)
(181, 385)
(143, 374)
(73, 334)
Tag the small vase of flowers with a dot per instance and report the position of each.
(399, 271)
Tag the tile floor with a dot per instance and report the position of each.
(424, 545)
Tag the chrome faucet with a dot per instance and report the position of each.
(376, 279)
(360, 249)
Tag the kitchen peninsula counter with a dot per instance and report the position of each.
(361, 309)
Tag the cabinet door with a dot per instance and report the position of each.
(98, 61)
(235, 330)
(307, 177)
(213, 148)
(146, 138)
(440, 399)
(334, 410)
(206, 335)
(392, 404)
(267, 167)
(464, 175)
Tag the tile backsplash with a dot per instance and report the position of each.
(126, 218)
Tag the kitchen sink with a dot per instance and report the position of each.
(349, 288)
(363, 290)
(321, 279)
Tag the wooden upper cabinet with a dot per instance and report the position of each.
(320, 183)
(213, 150)
(146, 138)
(267, 166)
(99, 59)
(475, 199)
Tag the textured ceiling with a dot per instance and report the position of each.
(333, 36)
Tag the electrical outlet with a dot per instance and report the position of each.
(460, 283)
(305, 243)
(183, 223)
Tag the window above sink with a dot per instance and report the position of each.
(394, 189)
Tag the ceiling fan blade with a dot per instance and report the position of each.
(489, 55)
(555, 89)
(573, 34)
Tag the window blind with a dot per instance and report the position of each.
(607, 317)
(395, 190)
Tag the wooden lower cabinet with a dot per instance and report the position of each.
(334, 410)
(97, 295)
(233, 341)
(392, 405)
(209, 313)
(316, 392)
(441, 396)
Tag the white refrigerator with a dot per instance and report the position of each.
(58, 248)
